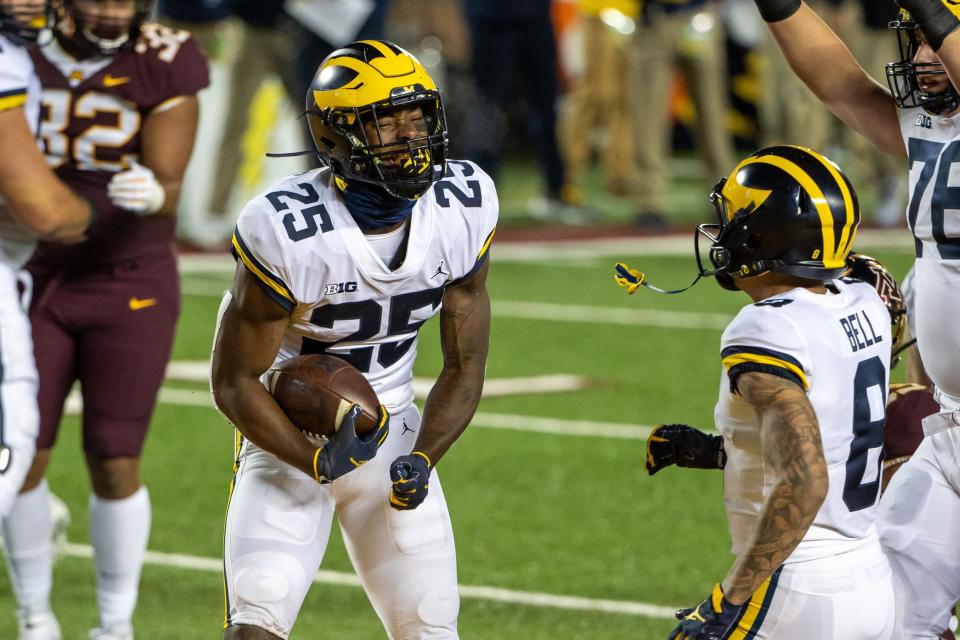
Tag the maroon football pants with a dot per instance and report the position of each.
(112, 330)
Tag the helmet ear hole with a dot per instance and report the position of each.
(753, 241)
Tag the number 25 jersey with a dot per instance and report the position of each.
(300, 242)
(836, 346)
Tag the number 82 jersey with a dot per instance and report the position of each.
(300, 242)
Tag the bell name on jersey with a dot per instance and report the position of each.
(933, 209)
(836, 346)
(302, 245)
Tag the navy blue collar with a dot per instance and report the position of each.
(373, 208)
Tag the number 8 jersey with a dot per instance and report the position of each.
(837, 347)
(300, 242)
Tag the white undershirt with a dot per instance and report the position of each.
(386, 245)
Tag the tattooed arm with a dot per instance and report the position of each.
(792, 448)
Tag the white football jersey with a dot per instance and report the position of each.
(19, 87)
(837, 347)
(300, 241)
(933, 211)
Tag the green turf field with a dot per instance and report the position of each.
(535, 511)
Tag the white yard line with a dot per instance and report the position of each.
(482, 419)
(549, 311)
(199, 371)
(609, 315)
(339, 578)
(578, 250)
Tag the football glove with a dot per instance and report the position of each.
(629, 278)
(411, 480)
(137, 190)
(683, 446)
(712, 620)
(345, 451)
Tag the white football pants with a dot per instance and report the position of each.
(920, 530)
(847, 596)
(278, 525)
(19, 416)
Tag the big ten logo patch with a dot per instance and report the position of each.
(340, 287)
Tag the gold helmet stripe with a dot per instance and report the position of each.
(830, 260)
(849, 232)
(382, 48)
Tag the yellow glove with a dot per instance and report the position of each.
(629, 278)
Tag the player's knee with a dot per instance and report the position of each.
(114, 478)
(37, 469)
(266, 591)
(428, 608)
(247, 632)
(438, 610)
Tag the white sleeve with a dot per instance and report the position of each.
(764, 338)
(482, 224)
(257, 246)
(16, 71)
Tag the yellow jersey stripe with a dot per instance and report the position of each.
(830, 260)
(486, 244)
(13, 100)
(226, 597)
(740, 358)
(253, 266)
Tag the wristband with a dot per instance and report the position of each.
(777, 10)
(933, 17)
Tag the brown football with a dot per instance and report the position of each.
(316, 391)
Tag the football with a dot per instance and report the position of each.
(317, 390)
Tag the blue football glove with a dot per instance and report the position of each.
(712, 620)
(345, 451)
(411, 480)
(683, 446)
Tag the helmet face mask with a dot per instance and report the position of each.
(784, 209)
(398, 140)
(23, 20)
(903, 76)
(100, 27)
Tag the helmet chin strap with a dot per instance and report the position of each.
(632, 280)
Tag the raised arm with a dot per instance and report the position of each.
(940, 26)
(792, 448)
(35, 196)
(821, 60)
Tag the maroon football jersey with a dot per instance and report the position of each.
(91, 117)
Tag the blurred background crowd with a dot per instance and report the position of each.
(599, 113)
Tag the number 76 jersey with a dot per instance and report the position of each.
(300, 242)
(836, 346)
(933, 211)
